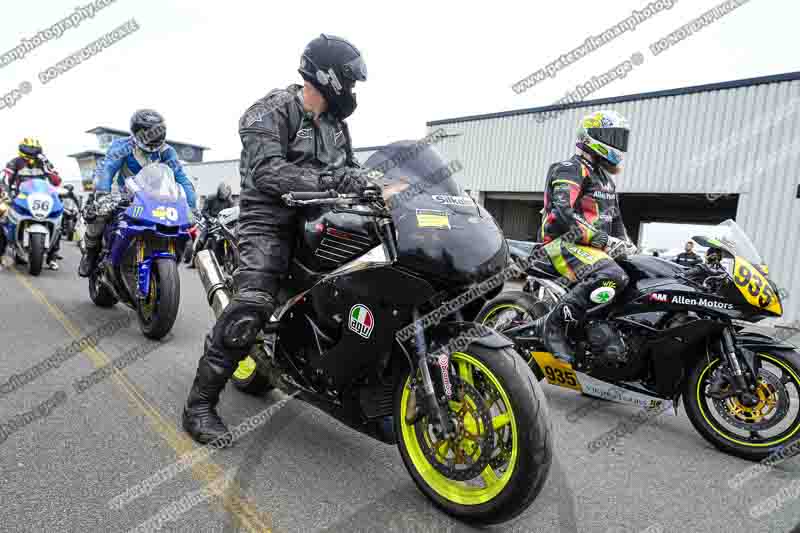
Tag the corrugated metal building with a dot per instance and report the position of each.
(740, 139)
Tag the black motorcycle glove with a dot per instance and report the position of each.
(349, 180)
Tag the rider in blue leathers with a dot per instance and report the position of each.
(125, 158)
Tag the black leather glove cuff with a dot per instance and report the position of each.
(600, 240)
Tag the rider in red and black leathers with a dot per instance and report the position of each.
(578, 194)
(21, 168)
(286, 147)
(31, 163)
(582, 226)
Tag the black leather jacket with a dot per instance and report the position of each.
(283, 150)
(214, 205)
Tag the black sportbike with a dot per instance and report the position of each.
(470, 422)
(676, 332)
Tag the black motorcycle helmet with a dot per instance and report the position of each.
(333, 66)
(223, 191)
(149, 130)
(69, 187)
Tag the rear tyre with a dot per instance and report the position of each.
(511, 308)
(249, 379)
(504, 438)
(157, 313)
(36, 254)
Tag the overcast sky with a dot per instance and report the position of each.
(203, 62)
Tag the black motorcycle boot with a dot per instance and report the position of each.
(200, 417)
(554, 329)
(569, 312)
(88, 261)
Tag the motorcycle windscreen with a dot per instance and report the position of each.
(441, 231)
(158, 197)
(156, 181)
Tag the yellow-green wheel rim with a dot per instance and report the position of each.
(712, 425)
(495, 310)
(245, 369)
(448, 489)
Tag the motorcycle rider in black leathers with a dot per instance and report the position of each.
(215, 204)
(581, 200)
(211, 208)
(293, 139)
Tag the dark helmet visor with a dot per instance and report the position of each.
(615, 137)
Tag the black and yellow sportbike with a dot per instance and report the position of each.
(676, 333)
(469, 418)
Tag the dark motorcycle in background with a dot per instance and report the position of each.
(219, 236)
(670, 335)
(468, 416)
(70, 217)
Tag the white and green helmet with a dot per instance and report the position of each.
(606, 134)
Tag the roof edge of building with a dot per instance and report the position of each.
(719, 86)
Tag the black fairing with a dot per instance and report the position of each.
(467, 247)
(640, 267)
(333, 239)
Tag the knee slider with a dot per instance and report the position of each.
(241, 330)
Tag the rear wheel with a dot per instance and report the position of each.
(754, 431)
(36, 254)
(497, 463)
(249, 379)
(511, 309)
(157, 313)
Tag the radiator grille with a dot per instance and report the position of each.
(338, 247)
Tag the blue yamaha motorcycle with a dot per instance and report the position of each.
(138, 262)
(33, 223)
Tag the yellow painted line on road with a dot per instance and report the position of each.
(241, 507)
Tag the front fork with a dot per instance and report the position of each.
(743, 377)
(443, 424)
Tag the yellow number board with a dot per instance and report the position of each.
(557, 372)
(755, 288)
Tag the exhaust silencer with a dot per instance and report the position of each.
(213, 281)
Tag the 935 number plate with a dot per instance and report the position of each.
(556, 371)
(755, 288)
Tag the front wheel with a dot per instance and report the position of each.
(158, 311)
(498, 461)
(754, 431)
(36, 254)
(69, 229)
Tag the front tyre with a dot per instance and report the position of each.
(157, 313)
(751, 432)
(36, 254)
(100, 294)
(496, 465)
